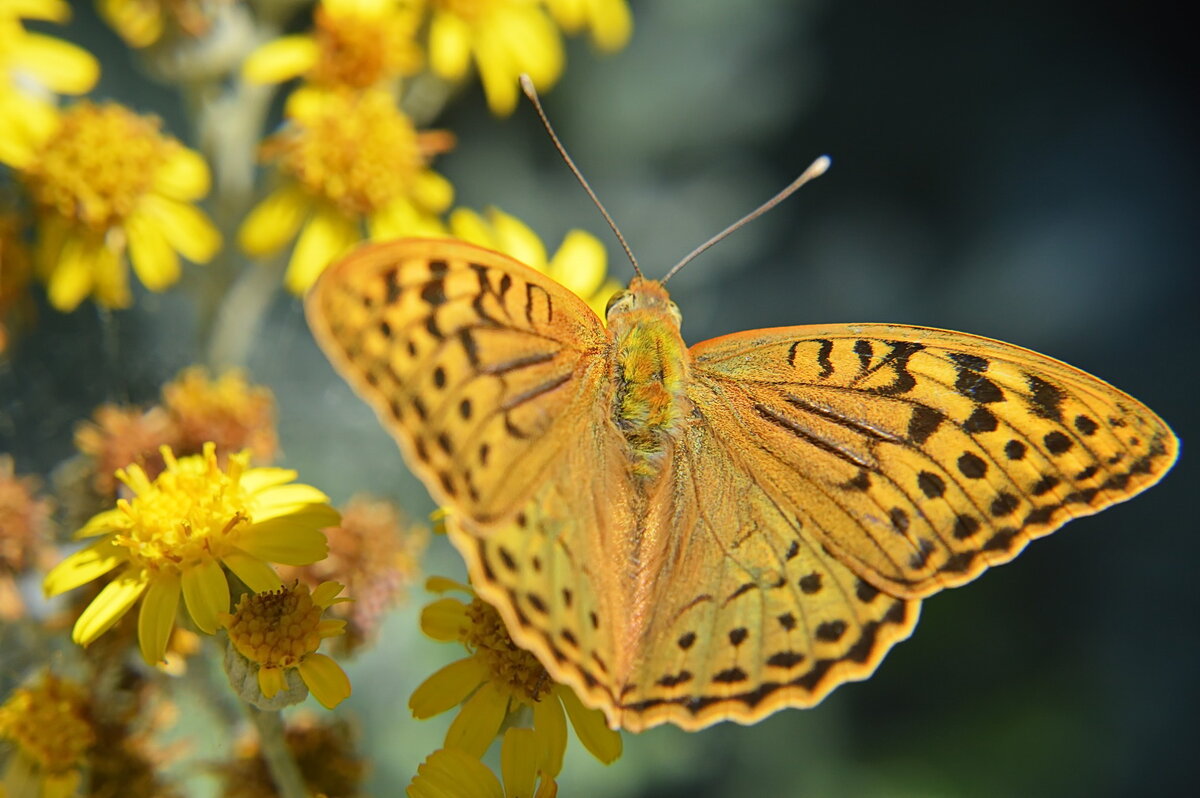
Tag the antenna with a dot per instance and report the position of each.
(531, 93)
(815, 170)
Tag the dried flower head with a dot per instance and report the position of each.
(229, 411)
(324, 750)
(376, 552)
(25, 541)
(119, 436)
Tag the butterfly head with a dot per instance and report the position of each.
(642, 300)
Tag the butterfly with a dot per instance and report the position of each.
(695, 534)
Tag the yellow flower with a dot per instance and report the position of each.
(24, 535)
(107, 185)
(448, 771)
(178, 531)
(32, 64)
(52, 730)
(580, 263)
(503, 37)
(281, 630)
(229, 411)
(497, 679)
(347, 159)
(356, 43)
(609, 21)
(376, 552)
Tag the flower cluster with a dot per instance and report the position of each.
(24, 535)
(497, 682)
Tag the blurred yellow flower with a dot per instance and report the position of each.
(278, 630)
(580, 263)
(355, 43)
(347, 159)
(609, 21)
(448, 771)
(50, 725)
(176, 535)
(32, 65)
(503, 37)
(108, 184)
(497, 679)
(118, 436)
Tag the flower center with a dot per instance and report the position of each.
(359, 153)
(507, 662)
(49, 723)
(98, 164)
(278, 628)
(361, 50)
(187, 515)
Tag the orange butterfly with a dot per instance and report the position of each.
(690, 535)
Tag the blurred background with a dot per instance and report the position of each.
(1026, 171)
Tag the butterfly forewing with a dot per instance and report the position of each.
(472, 360)
(920, 456)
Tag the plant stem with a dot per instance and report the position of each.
(273, 748)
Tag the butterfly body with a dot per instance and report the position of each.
(689, 535)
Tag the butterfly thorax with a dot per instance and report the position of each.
(649, 369)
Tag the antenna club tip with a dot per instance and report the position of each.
(820, 166)
(527, 85)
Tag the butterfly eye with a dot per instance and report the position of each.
(617, 297)
(675, 312)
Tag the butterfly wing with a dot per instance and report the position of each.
(478, 365)
(919, 457)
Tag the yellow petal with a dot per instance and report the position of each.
(550, 724)
(445, 620)
(274, 221)
(478, 721)
(83, 566)
(110, 280)
(254, 573)
(547, 788)
(396, 219)
(156, 618)
(325, 593)
(182, 176)
(515, 238)
(449, 45)
(291, 539)
(590, 727)
(432, 191)
(283, 59)
(447, 687)
(257, 480)
(74, 274)
(325, 679)
(447, 773)
(535, 45)
(140, 24)
(48, 10)
(331, 627)
(497, 72)
(469, 226)
(27, 123)
(598, 302)
(580, 263)
(327, 235)
(62, 67)
(186, 228)
(102, 523)
(206, 593)
(283, 499)
(154, 261)
(519, 761)
(444, 584)
(612, 24)
(107, 608)
(270, 681)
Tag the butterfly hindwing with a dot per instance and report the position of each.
(919, 456)
(470, 359)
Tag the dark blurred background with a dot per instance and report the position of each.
(1026, 171)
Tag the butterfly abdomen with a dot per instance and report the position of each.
(649, 369)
